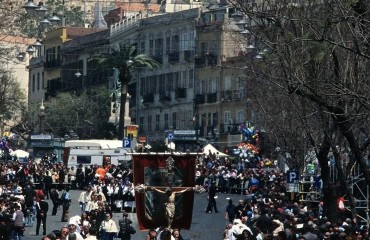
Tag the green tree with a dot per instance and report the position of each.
(82, 113)
(125, 58)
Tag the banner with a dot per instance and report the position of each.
(161, 171)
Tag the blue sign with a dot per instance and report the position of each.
(170, 136)
(126, 143)
(292, 177)
(318, 182)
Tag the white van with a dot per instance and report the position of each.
(96, 156)
(87, 152)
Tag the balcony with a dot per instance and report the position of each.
(212, 97)
(174, 57)
(148, 98)
(164, 98)
(229, 129)
(180, 93)
(238, 95)
(199, 61)
(200, 98)
(158, 58)
(211, 60)
(226, 96)
(188, 55)
(52, 63)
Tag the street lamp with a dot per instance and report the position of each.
(42, 117)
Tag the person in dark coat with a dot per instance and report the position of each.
(125, 228)
(211, 198)
(48, 184)
(80, 175)
(230, 211)
(42, 209)
(264, 222)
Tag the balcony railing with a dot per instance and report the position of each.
(52, 63)
(238, 95)
(158, 58)
(200, 99)
(188, 55)
(211, 59)
(226, 96)
(199, 61)
(148, 98)
(174, 57)
(164, 98)
(181, 93)
(212, 97)
(229, 129)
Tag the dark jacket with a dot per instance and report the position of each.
(42, 209)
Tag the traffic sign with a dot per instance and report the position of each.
(292, 177)
(170, 136)
(126, 143)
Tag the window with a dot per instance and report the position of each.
(151, 47)
(212, 86)
(166, 126)
(149, 123)
(191, 40)
(240, 116)
(168, 45)
(43, 84)
(159, 47)
(184, 43)
(227, 83)
(157, 121)
(191, 74)
(174, 120)
(142, 47)
(142, 84)
(227, 117)
(162, 84)
(141, 122)
(184, 79)
(83, 160)
(33, 82)
(38, 81)
(175, 43)
(202, 87)
(169, 82)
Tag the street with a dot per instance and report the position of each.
(204, 225)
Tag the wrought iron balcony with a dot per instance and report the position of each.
(181, 93)
(212, 97)
(200, 99)
(211, 59)
(200, 61)
(226, 96)
(164, 98)
(188, 55)
(174, 57)
(148, 98)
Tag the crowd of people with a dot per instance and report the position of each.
(264, 211)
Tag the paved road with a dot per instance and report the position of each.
(204, 226)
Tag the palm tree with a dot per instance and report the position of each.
(124, 58)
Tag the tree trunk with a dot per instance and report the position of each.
(330, 194)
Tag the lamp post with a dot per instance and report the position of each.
(42, 118)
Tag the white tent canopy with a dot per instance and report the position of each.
(213, 150)
(19, 153)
